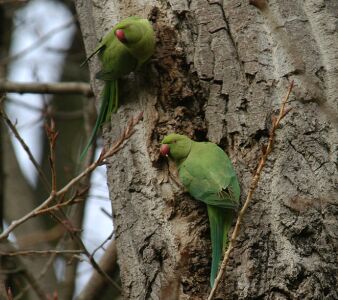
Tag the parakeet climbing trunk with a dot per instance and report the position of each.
(220, 70)
(124, 49)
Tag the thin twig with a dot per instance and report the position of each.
(41, 252)
(101, 160)
(75, 212)
(14, 2)
(93, 289)
(46, 88)
(47, 111)
(39, 276)
(58, 206)
(96, 265)
(52, 135)
(25, 147)
(35, 284)
(21, 268)
(23, 104)
(103, 243)
(38, 42)
(275, 124)
(129, 130)
(108, 214)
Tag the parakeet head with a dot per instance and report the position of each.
(177, 146)
(129, 33)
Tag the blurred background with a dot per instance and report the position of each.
(41, 42)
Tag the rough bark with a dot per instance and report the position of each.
(221, 71)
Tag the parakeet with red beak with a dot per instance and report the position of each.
(124, 49)
(207, 173)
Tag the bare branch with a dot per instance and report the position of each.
(103, 243)
(14, 2)
(96, 283)
(129, 130)
(42, 208)
(58, 206)
(108, 214)
(48, 111)
(275, 124)
(22, 269)
(47, 88)
(25, 147)
(41, 252)
(101, 160)
(52, 135)
(96, 266)
(39, 276)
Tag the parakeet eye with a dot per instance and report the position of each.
(119, 33)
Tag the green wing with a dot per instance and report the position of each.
(116, 60)
(208, 175)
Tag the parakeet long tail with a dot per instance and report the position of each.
(220, 223)
(109, 105)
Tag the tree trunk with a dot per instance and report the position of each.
(220, 72)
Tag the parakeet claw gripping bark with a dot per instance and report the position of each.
(207, 173)
(124, 49)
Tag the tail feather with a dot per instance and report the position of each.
(220, 223)
(113, 99)
(107, 107)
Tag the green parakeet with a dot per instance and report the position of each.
(207, 173)
(122, 50)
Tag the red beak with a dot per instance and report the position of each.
(119, 33)
(164, 150)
